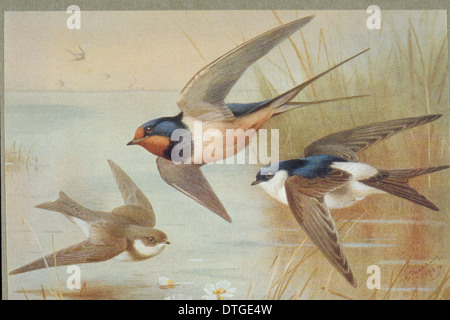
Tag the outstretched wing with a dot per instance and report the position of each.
(99, 247)
(132, 195)
(306, 201)
(345, 144)
(189, 179)
(204, 95)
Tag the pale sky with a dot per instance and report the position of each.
(148, 50)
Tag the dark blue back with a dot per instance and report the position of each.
(310, 167)
(243, 109)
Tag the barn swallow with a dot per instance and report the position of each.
(127, 233)
(203, 100)
(330, 176)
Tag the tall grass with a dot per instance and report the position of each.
(381, 73)
(19, 158)
(406, 76)
(55, 290)
(294, 278)
(17, 154)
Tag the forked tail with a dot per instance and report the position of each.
(65, 205)
(280, 103)
(396, 182)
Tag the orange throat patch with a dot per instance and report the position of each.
(156, 145)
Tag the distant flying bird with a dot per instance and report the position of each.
(81, 55)
(127, 233)
(133, 83)
(203, 100)
(330, 176)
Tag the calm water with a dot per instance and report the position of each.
(73, 134)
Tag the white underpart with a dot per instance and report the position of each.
(124, 256)
(209, 138)
(342, 197)
(358, 170)
(145, 251)
(275, 186)
(148, 251)
(354, 190)
(85, 226)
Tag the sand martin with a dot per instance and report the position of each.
(127, 233)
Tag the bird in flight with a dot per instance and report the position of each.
(203, 101)
(78, 56)
(330, 177)
(127, 233)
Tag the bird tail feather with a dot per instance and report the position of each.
(286, 97)
(294, 105)
(65, 205)
(396, 182)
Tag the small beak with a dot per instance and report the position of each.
(167, 242)
(256, 182)
(134, 141)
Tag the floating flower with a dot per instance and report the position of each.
(219, 291)
(166, 283)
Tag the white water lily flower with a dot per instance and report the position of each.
(219, 291)
(166, 283)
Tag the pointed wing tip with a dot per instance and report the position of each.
(217, 207)
(432, 206)
(39, 206)
(308, 18)
(111, 163)
(351, 279)
(226, 217)
(428, 118)
(192, 184)
(436, 116)
(302, 21)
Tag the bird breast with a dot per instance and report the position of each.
(275, 186)
(138, 250)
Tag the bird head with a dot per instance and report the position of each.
(149, 242)
(155, 135)
(266, 173)
(310, 168)
(276, 173)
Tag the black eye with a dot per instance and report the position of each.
(269, 176)
(151, 239)
(148, 129)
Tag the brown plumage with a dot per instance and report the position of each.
(396, 182)
(127, 231)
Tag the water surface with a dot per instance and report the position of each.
(73, 134)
